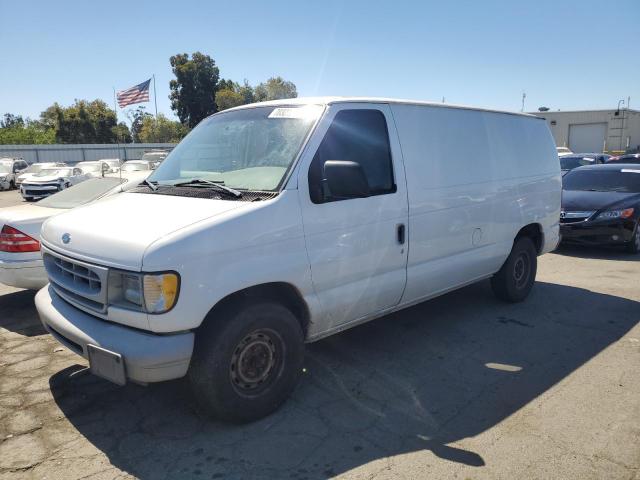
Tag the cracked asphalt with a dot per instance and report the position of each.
(461, 387)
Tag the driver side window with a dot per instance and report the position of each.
(359, 136)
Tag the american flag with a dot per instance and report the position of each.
(137, 94)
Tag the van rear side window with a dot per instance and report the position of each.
(359, 136)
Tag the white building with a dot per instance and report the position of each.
(588, 131)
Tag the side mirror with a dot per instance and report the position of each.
(344, 180)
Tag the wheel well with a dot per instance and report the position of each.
(281, 292)
(534, 232)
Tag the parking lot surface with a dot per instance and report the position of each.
(461, 387)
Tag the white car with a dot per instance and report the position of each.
(7, 177)
(138, 166)
(20, 257)
(562, 151)
(34, 168)
(156, 157)
(114, 164)
(279, 223)
(51, 180)
(10, 169)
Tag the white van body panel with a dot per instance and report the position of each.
(357, 264)
(474, 179)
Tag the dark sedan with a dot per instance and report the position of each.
(601, 206)
(575, 160)
(628, 158)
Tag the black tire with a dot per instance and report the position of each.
(247, 361)
(634, 244)
(513, 282)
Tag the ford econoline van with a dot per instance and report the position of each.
(279, 223)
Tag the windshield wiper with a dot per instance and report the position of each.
(202, 183)
(151, 185)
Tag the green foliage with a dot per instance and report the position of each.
(194, 88)
(85, 122)
(136, 117)
(23, 132)
(122, 133)
(228, 98)
(161, 131)
(276, 88)
(232, 94)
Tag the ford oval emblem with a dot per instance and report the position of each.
(66, 238)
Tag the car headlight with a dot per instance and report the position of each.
(146, 292)
(611, 214)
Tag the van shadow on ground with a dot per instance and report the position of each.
(415, 380)
(18, 313)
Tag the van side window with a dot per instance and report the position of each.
(359, 136)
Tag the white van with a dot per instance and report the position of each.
(279, 223)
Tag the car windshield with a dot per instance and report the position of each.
(134, 167)
(5, 168)
(250, 149)
(54, 172)
(84, 192)
(35, 168)
(624, 180)
(568, 162)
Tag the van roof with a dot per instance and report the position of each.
(334, 100)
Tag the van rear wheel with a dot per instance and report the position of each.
(513, 282)
(246, 361)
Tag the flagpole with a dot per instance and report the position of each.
(115, 109)
(155, 101)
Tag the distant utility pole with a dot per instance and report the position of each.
(524, 95)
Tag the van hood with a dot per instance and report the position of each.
(117, 230)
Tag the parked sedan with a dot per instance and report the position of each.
(10, 168)
(562, 151)
(20, 260)
(575, 160)
(35, 168)
(94, 169)
(7, 177)
(51, 180)
(137, 166)
(601, 206)
(628, 158)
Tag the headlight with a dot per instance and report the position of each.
(611, 214)
(147, 292)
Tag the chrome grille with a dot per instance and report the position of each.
(574, 217)
(81, 284)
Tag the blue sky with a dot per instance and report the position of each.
(574, 54)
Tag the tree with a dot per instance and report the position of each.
(10, 121)
(228, 98)
(83, 122)
(25, 132)
(275, 88)
(194, 88)
(163, 130)
(122, 133)
(136, 117)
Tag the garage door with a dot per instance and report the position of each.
(587, 138)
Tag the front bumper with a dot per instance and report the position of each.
(607, 232)
(28, 274)
(147, 357)
(37, 192)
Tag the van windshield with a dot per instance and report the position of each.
(248, 149)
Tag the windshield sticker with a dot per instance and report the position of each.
(294, 112)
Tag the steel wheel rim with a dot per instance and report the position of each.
(255, 361)
(521, 270)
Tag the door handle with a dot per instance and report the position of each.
(400, 231)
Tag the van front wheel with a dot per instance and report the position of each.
(246, 361)
(514, 280)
